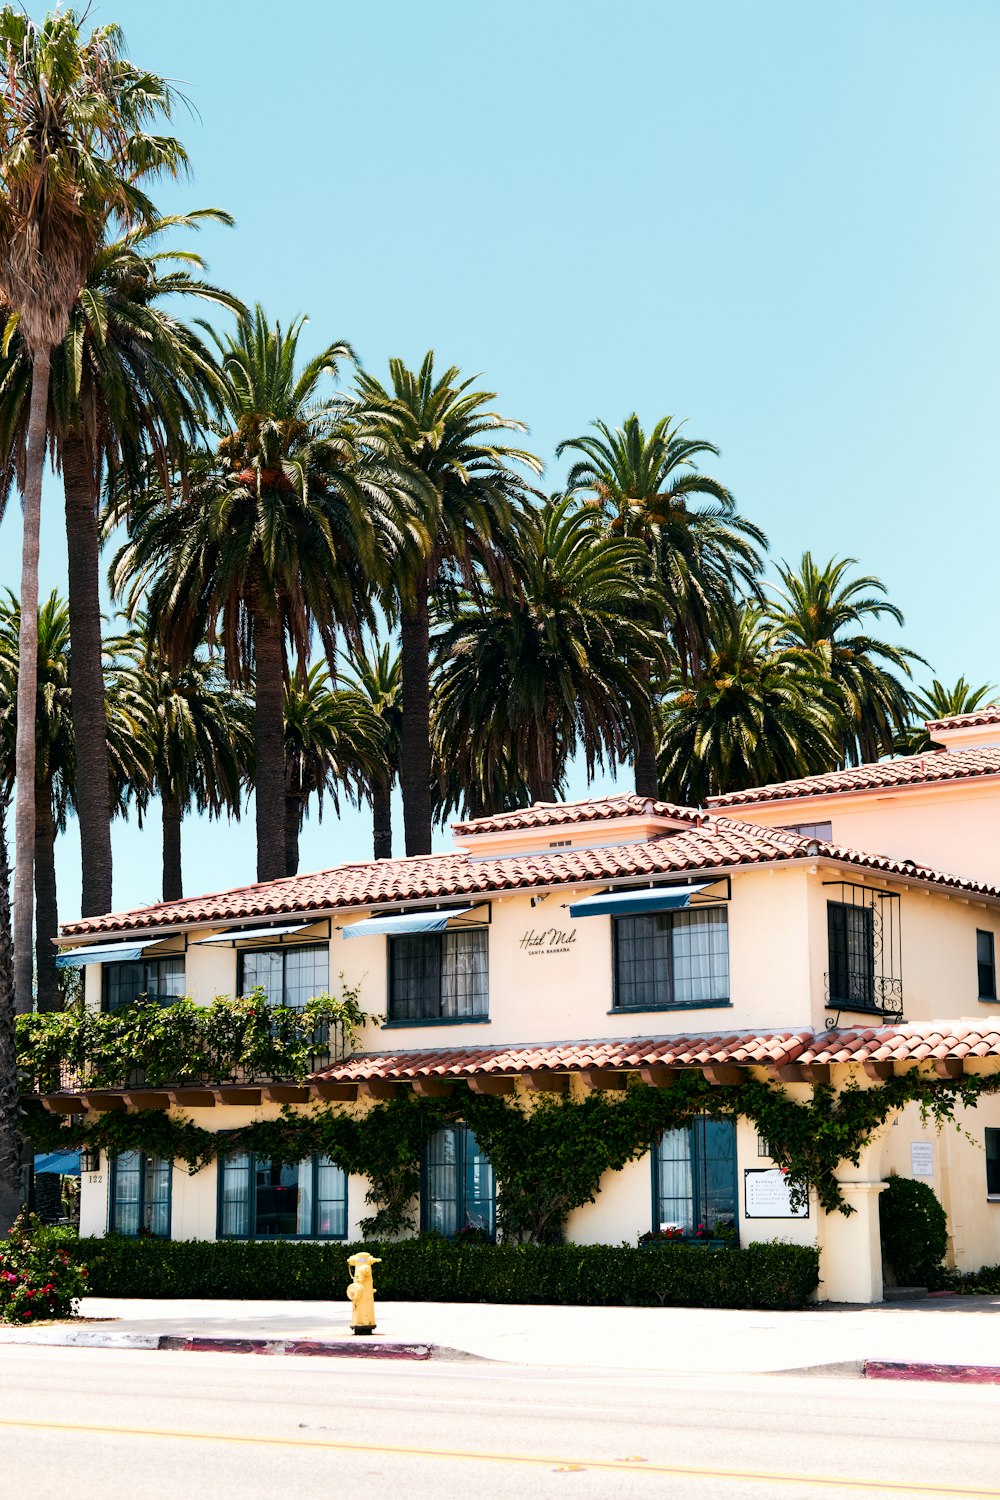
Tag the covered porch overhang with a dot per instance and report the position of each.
(945, 1050)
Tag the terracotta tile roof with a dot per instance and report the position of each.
(906, 770)
(988, 714)
(723, 844)
(906, 1042)
(560, 1057)
(913, 1041)
(591, 810)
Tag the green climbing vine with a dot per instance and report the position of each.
(548, 1154)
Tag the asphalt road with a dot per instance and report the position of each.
(93, 1422)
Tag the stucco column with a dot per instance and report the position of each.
(850, 1258)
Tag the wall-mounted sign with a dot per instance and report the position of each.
(767, 1195)
(921, 1159)
(548, 940)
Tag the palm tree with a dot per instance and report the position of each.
(445, 432)
(333, 741)
(56, 764)
(824, 612)
(758, 713)
(285, 532)
(198, 739)
(703, 554)
(75, 147)
(377, 674)
(128, 380)
(10, 1104)
(528, 676)
(939, 702)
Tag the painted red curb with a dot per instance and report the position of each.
(357, 1348)
(877, 1369)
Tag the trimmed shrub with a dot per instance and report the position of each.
(40, 1272)
(914, 1229)
(431, 1269)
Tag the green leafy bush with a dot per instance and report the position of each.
(41, 1274)
(914, 1229)
(431, 1269)
(183, 1043)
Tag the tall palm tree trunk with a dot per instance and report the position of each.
(647, 781)
(269, 746)
(415, 737)
(382, 816)
(542, 775)
(293, 809)
(27, 684)
(173, 884)
(86, 680)
(10, 1140)
(46, 901)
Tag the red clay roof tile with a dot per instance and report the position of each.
(907, 770)
(988, 714)
(724, 843)
(905, 1042)
(590, 810)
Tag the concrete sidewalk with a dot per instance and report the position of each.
(938, 1331)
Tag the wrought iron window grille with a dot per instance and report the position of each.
(865, 973)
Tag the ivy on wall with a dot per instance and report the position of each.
(550, 1153)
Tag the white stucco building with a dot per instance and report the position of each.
(829, 930)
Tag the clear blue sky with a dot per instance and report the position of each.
(778, 220)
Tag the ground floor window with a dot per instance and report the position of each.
(992, 1163)
(459, 1187)
(262, 1200)
(694, 1179)
(140, 1195)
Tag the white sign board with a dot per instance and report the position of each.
(921, 1159)
(767, 1195)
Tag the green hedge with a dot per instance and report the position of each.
(429, 1269)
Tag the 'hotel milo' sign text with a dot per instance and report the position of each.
(549, 940)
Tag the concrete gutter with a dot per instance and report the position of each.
(353, 1348)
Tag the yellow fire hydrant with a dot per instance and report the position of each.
(362, 1292)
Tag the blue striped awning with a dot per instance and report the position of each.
(65, 1163)
(633, 903)
(105, 953)
(413, 921)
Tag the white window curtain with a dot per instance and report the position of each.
(464, 976)
(676, 1205)
(701, 955)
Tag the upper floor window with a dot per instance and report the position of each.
(671, 958)
(695, 1180)
(262, 1199)
(288, 975)
(864, 971)
(851, 930)
(986, 961)
(439, 976)
(140, 1195)
(822, 831)
(160, 979)
(459, 1187)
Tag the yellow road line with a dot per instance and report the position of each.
(533, 1460)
